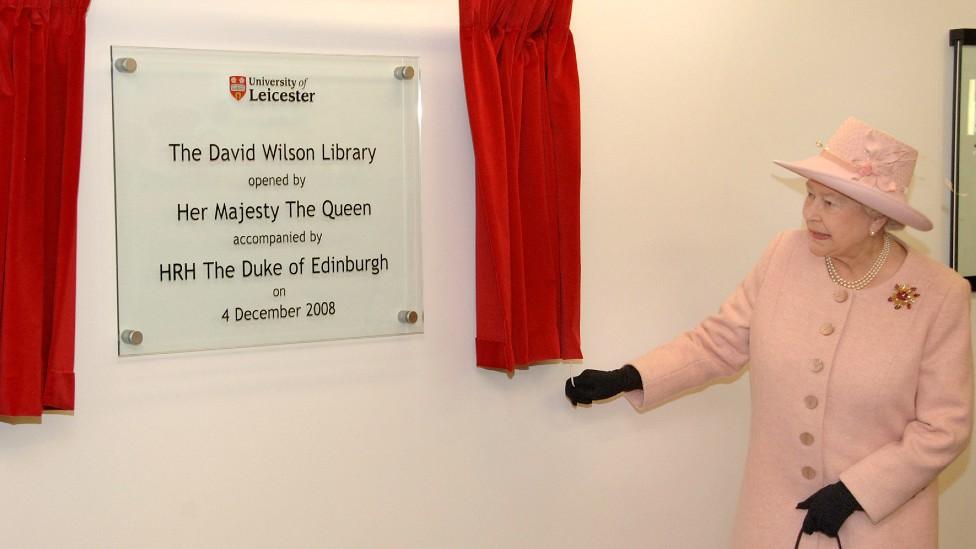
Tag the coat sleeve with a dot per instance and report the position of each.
(717, 347)
(893, 474)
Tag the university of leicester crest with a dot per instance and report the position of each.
(238, 85)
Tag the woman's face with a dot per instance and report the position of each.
(837, 225)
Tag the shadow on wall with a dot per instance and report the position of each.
(33, 420)
(955, 470)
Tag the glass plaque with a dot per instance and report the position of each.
(963, 197)
(264, 198)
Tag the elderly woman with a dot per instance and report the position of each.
(861, 362)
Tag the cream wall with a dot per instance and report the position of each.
(402, 442)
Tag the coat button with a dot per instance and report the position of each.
(811, 401)
(817, 365)
(826, 329)
(809, 473)
(840, 296)
(807, 440)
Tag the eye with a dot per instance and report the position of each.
(829, 202)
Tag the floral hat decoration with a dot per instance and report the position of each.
(869, 166)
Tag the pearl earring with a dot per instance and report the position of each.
(872, 233)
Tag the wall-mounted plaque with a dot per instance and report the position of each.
(962, 234)
(264, 198)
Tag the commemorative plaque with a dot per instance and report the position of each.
(264, 198)
(962, 206)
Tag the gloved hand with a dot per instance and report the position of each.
(598, 384)
(828, 508)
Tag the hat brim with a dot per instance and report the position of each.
(829, 173)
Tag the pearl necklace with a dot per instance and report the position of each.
(868, 277)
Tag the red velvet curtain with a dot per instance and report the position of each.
(522, 90)
(42, 54)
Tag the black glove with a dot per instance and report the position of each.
(828, 508)
(598, 384)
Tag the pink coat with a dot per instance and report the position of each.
(843, 386)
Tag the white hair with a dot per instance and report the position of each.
(890, 224)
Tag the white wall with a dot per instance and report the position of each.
(402, 442)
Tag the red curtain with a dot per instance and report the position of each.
(522, 90)
(42, 49)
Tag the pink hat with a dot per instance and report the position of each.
(869, 166)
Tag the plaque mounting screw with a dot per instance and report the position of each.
(126, 64)
(408, 317)
(132, 337)
(405, 72)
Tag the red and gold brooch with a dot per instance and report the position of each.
(904, 296)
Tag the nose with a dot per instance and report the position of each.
(811, 209)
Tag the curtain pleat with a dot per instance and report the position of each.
(522, 91)
(42, 46)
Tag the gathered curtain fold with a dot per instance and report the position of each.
(42, 53)
(522, 89)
